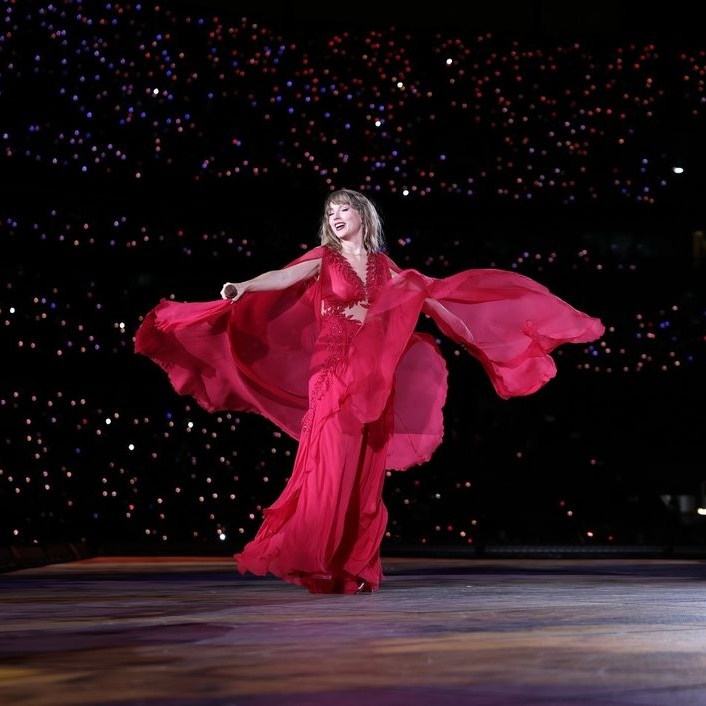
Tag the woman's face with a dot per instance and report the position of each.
(344, 221)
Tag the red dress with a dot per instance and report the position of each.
(336, 363)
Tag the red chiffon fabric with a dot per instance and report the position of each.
(361, 397)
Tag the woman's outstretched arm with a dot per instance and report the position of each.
(273, 280)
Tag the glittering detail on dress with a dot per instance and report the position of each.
(343, 311)
(359, 297)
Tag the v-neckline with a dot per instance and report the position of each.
(363, 282)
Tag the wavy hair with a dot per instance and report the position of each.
(372, 223)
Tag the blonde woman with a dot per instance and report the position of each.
(326, 348)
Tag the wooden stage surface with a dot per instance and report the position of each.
(190, 631)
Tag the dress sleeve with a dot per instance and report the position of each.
(391, 264)
(252, 355)
(507, 321)
(511, 324)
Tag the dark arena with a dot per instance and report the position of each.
(353, 354)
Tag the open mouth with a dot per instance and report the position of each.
(340, 226)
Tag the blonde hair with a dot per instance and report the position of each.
(372, 223)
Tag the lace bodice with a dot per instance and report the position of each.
(344, 293)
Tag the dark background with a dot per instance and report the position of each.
(115, 196)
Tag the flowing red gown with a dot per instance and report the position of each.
(336, 363)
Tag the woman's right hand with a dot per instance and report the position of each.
(232, 291)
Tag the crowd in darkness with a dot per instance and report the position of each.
(155, 150)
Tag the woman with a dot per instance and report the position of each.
(326, 349)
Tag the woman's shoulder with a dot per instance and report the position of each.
(328, 253)
(316, 251)
(384, 257)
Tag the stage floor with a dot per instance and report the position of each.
(190, 631)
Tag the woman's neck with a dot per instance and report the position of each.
(353, 248)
